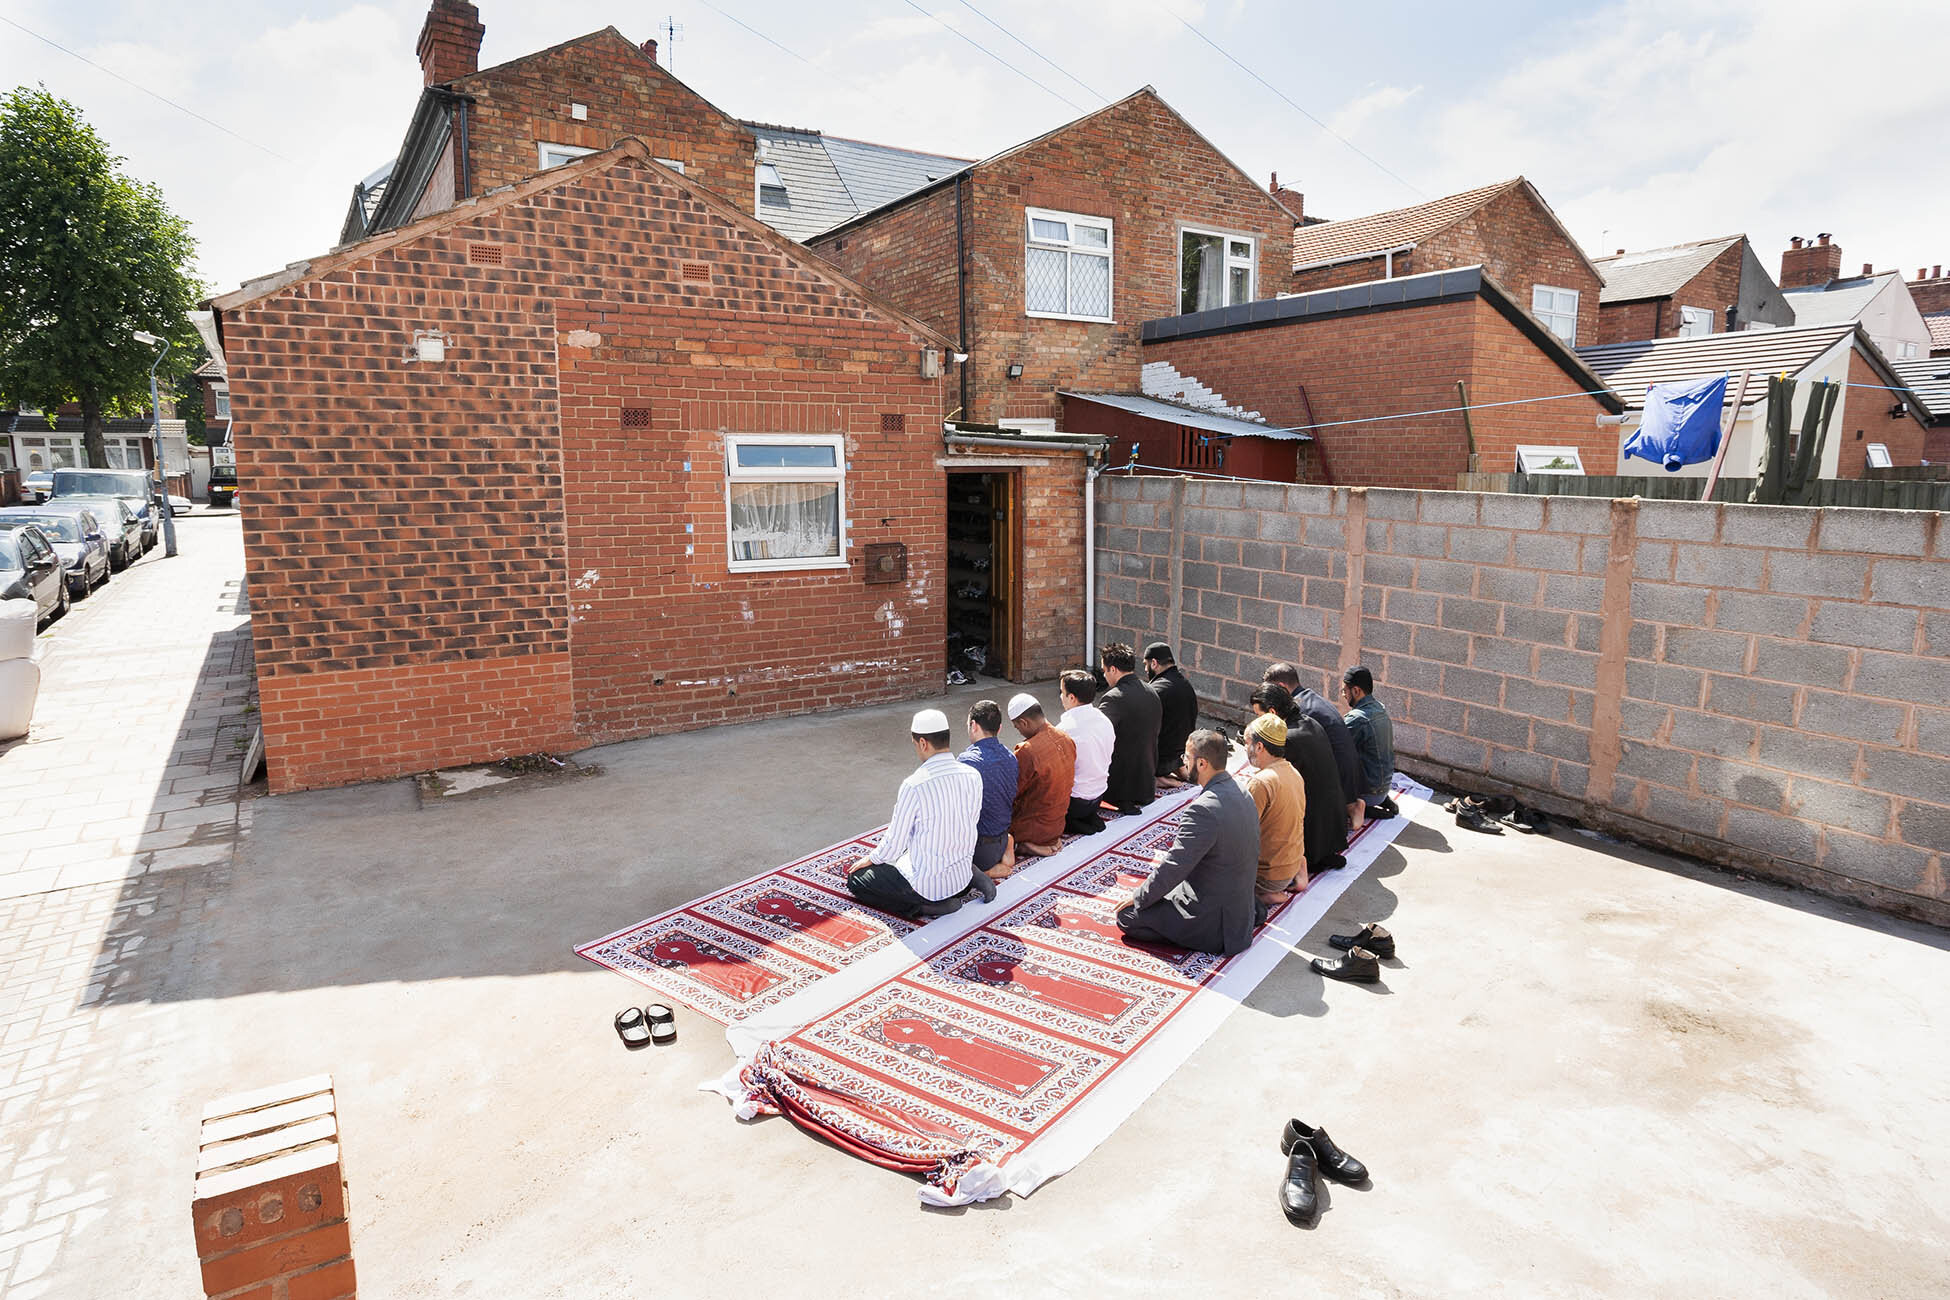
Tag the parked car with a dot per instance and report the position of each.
(122, 530)
(30, 570)
(223, 486)
(134, 486)
(78, 538)
(37, 485)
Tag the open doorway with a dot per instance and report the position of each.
(982, 619)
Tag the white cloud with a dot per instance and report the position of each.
(1352, 117)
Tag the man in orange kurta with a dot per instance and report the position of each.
(1046, 764)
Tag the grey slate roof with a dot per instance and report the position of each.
(1191, 417)
(1629, 369)
(1657, 272)
(1929, 379)
(830, 179)
(1838, 301)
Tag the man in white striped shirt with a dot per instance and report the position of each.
(927, 854)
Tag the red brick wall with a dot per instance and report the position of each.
(1716, 287)
(1161, 444)
(1520, 244)
(453, 562)
(1137, 163)
(1345, 273)
(1863, 417)
(527, 101)
(1385, 363)
(1628, 322)
(1932, 295)
(1052, 567)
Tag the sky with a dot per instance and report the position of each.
(1643, 123)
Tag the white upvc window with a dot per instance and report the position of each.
(1215, 269)
(771, 187)
(554, 155)
(222, 396)
(785, 501)
(1695, 321)
(1066, 266)
(52, 452)
(124, 453)
(1557, 309)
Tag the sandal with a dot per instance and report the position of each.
(663, 1024)
(631, 1028)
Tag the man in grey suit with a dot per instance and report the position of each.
(1200, 895)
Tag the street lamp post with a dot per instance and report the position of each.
(155, 434)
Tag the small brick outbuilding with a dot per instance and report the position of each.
(592, 457)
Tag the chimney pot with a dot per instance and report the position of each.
(650, 48)
(450, 41)
(1919, 273)
(1620, 253)
(1936, 271)
(1822, 239)
(1274, 184)
(1795, 241)
(1868, 268)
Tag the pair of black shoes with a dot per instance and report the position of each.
(1489, 814)
(1365, 949)
(1311, 1155)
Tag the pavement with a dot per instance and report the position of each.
(1594, 1071)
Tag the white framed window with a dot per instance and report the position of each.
(1028, 424)
(52, 452)
(124, 453)
(785, 501)
(1066, 265)
(1909, 350)
(1549, 460)
(1878, 454)
(771, 187)
(1693, 321)
(222, 396)
(554, 155)
(1215, 269)
(1557, 309)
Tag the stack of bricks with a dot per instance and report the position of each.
(269, 1206)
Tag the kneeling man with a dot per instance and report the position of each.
(927, 853)
(1200, 895)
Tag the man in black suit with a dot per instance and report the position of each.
(1134, 715)
(1347, 761)
(1200, 894)
(1177, 708)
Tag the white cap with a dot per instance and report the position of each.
(929, 722)
(1022, 704)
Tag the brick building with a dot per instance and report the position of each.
(595, 456)
(1685, 290)
(1345, 365)
(474, 129)
(1505, 228)
(1875, 408)
(1879, 301)
(1929, 379)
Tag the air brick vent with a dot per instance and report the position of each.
(697, 272)
(636, 417)
(893, 422)
(485, 254)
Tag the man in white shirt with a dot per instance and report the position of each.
(1094, 738)
(926, 856)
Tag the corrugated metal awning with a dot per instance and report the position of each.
(1190, 417)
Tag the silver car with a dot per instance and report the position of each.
(134, 486)
(30, 570)
(78, 537)
(121, 528)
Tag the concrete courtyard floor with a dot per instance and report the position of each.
(1594, 1071)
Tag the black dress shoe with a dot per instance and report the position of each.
(1476, 820)
(1370, 936)
(1359, 967)
(1333, 1162)
(1299, 1198)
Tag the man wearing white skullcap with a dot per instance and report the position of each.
(926, 857)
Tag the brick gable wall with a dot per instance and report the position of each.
(1863, 417)
(452, 562)
(1389, 362)
(1521, 246)
(519, 104)
(1716, 287)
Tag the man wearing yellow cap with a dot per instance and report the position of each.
(1280, 795)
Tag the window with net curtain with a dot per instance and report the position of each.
(1214, 270)
(784, 501)
(1066, 266)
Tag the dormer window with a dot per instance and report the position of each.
(771, 187)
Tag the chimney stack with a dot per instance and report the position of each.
(450, 41)
(1295, 201)
(1868, 268)
(650, 48)
(1805, 264)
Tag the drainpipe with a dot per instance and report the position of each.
(961, 288)
(1091, 468)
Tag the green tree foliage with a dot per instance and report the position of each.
(87, 255)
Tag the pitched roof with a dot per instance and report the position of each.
(1152, 408)
(1353, 238)
(1838, 301)
(1657, 272)
(1630, 368)
(1929, 379)
(1393, 294)
(1939, 323)
(628, 150)
(830, 179)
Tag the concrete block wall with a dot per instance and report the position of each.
(1759, 686)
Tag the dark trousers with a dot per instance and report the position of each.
(1085, 817)
(988, 850)
(1135, 930)
(881, 885)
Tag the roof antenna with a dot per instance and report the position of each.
(673, 32)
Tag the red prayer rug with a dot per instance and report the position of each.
(995, 1057)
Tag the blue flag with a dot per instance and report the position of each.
(1681, 424)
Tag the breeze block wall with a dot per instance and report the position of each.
(524, 547)
(1759, 686)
